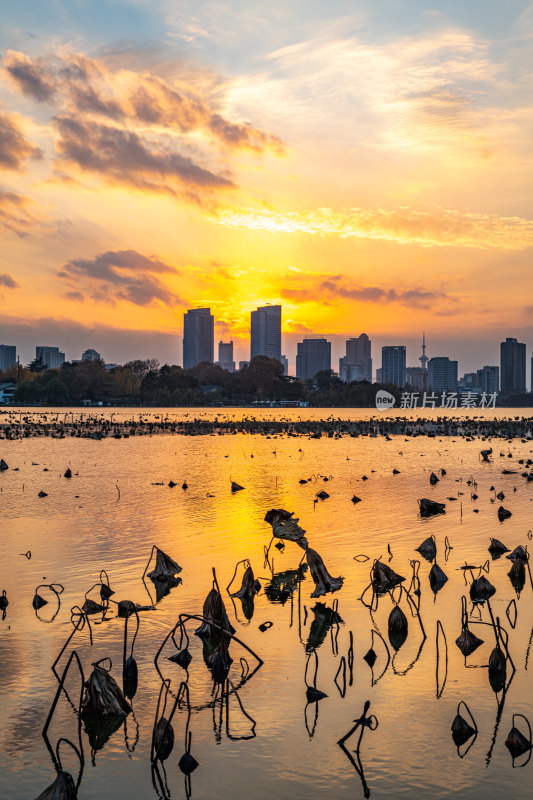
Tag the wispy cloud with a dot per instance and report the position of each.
(442, 228)
(15, 148)
(8, 281)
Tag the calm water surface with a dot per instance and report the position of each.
(111, 512)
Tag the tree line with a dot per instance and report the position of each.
(146, 382)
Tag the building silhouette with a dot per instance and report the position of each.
(91, 355)
(513, 366)
(356, 365)
(313, 355)
(198, 337)
(416, 378)
(265, 332)
(285, 364)
(442, 374)
(393, 359)
(8, 356)
(225, 356)
(51, 356)
(488, 379)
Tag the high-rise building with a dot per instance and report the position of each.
(313, 355)
(8, 356)
(51, 356)
(393, 364)
(442, 374)
(513, 366)
(265, 332)
(416, 378)
(285, 364)
(198, 337)
(225, 356)
(356, 365)
(488, 379)
(91, 355)
(379, 375)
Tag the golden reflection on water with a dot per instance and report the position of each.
(71, 538)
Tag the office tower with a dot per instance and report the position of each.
(393, 364)
(8, 356)
(513, 366)
(91, 355)
(470, 380)
(198, 337)
(442, 374)
(356, 365)
(379, 375)
(313, 355)
(225, 356)
(265, 332)
(51, 356)
(488, 379)
(285, 364)
(416, 378)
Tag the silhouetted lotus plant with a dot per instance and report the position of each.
(497, 549)
(4, 602)
(103, 697)
(433, 479)
(398, 627)
(481, 590)
(428, 548)
(517, 743)
(285, 526)
(39, 601)
(312, 694)
(462, 730)
(362, 723)
(166, 569)
(130, 672)
(384, 578)
(324, 619)
(517, 575)
(437, 578)
(497, 669)
(248, 584)
(519, 554)
(163, 732)
(503, 514)
(430, 507)
(324, 582)
(214, 610)
(467, 642)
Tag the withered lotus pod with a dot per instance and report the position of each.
(428, 548)
(3, 465)
(187, 763)
(430, 507)
(38, 601)
(437, 578)
(63, 788)
(398, 627)
(90, 607)
(518, 554)
(356, 499)
(467, 642)
(384, 578)
(497, 548)
(248, 584)
(103, 697)
(481, 590)
(370, 657)
(516, 742)
(4, 602)
(165, 567)
(497, 670)
(214, 610)
(503, 513)
(163, 742)
(313, 695)
(324, 582)
(236, 487)
(125, 608)
(433, 479)
(130, 677)
(517, 575)
(182, 658)
(219, 663)
(462, 731)
(68, 473)
(322, 495)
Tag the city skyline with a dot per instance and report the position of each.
(200, 157)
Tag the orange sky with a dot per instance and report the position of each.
(369, 175)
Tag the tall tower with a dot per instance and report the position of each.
(198, 337)
(423, 358)
(265, 332)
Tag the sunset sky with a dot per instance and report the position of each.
(366, 164)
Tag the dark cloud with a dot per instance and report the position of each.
(77, 296)
(8, 281)
(413, 298)
(121, 275)
(14, 147)
(123, 157)
(30, 77)
(87, 99)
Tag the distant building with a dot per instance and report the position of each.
(356, 365)
(513, 366)
(488, 379)
(51, 356)
(110, 367)
(8, 356)
(416, 378)
(7, 393)
(265, 332)
(393, 364)
(243, 364)
(198, 337)
(469, 380)
(313, 355)
(91, 355)
(442, 374)
(225, 356)
(285, 364)
(379, 375)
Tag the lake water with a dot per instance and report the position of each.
(118, 504)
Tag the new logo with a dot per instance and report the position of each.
(384, 400)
